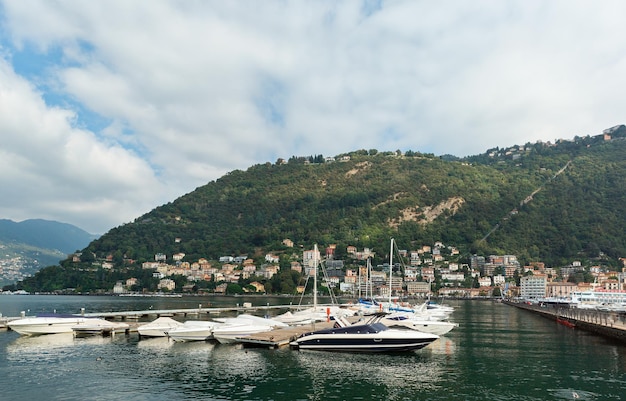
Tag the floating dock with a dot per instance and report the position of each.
(282, 336)
(199, 312)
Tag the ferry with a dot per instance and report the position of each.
(600, 299)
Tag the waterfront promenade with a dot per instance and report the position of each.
(604, 323)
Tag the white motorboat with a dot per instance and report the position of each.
(193, 330)
(243, 326)
(412, 322)
(46, 324)
(313, 314)
(372, 336)
(92, 327)
(159, 327)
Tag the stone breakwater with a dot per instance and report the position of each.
(607, 324)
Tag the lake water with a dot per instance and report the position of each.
(497, 353)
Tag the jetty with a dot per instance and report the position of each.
(199, 312)
(281, 336)
(608, 324)
(272, 339)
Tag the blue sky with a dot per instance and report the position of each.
(109, 109)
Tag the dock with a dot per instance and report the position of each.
(607, 324)
(272, 339)
(200, 312)
(281, 336)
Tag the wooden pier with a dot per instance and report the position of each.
(281, 336)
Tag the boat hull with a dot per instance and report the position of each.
(46, 325)
(433, 327)
(193, 330)
(158, 327)
(191, 335)
(373, 337)
(360, 344)
(99, 327)
(228, 335)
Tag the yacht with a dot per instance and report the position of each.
(372, 336)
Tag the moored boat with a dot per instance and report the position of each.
(193, 330)
(243, 326)
(565, 322)
(46, 324)
(158, 327)
(372, 336)
(92, 327)
(412, 322)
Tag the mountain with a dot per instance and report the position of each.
(45, 234)
(549, 202)
(29, 245)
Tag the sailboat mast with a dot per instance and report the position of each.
(390, 269)
(315, 277)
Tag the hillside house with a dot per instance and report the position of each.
(484, 281)
(167, 284)
(428, 273)
(258, 286)
(296, 266)
(560, 289)
(419, 288)
(221, 289)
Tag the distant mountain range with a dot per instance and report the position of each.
(29, 245)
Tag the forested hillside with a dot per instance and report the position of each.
(543, 202)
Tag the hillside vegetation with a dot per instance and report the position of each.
(542, 202)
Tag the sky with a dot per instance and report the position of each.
(109, 109)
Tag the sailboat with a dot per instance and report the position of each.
(408, 317)
(315, 313)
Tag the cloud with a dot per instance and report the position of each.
(183, 92)
(53, 170)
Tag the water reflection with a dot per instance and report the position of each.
(155, 344)
(442, 346)
(393, 374)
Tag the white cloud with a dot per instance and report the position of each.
(53, 170)
(191, 90)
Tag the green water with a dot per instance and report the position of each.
(497, 353)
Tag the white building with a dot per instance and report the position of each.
(533, 286)
(499, 279)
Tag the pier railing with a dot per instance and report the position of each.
(606, 323)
